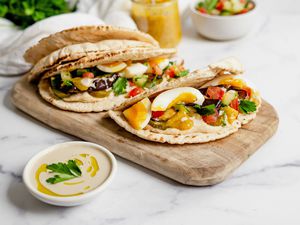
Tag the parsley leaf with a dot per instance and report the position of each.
(182, 73)
(205, 110)
(66, 171)
(247, 106)
(120, 85)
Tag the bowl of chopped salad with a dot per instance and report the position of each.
(223, 19)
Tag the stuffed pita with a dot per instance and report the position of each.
(108, 74)
(196, 114)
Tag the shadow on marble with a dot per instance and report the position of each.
(19, 196)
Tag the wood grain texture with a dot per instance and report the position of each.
(191, 164)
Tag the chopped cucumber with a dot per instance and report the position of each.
(229, 96)
(65, 75)
(100, 94)
(140, 80)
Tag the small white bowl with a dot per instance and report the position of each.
(223, 28)
(66, 201)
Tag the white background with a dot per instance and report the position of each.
(264, 190)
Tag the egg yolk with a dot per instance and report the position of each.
(234, 82)
(136, 115)
(184, 97)
(157, 60)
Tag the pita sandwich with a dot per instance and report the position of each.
(203, 113)
(108, 74)
(83, 34)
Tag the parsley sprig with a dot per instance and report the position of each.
(205, 110)
(247, 106)
(65, 171)
(119, 87)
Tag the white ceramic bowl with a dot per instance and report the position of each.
(66, 201)
(223, 27)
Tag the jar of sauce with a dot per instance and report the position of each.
(160, 19)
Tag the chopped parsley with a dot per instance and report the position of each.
(205, 110)
(182, 73)
(65, 171)
(247, 106)
(119, 87)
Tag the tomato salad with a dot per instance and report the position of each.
(129, 78)
(222, 105)
(225, 7)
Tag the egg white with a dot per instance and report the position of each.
(135, 69)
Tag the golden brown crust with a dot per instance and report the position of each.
(83, 34)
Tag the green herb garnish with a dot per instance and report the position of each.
(119, 87)
(247, 106)
(26, 12)
(67, 83)
(205, 110)
(182, 73)
(66, 171)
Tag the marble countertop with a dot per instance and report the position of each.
(264, 190)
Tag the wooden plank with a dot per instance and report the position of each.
(191, 164)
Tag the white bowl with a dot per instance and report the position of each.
(66, 201)
(223, 27)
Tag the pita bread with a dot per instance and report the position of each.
(75, 52)
(89, 103)
(228, 65)
(91, 34)
(175, 136)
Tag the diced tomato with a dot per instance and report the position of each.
(135, 91)
(244, 11)
(170, 72)
(156, 114)
(243, 1)
(234, 104)
(88, 75)
(202, 10)
(211, 119)
(248, 90)
(220, 6)
(131, 84)
(215, 92)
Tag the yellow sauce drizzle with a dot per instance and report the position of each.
(43, 189)
(73, 183)
(79, 162)
(94, 165)
(87, 187)
(89, 169)
(83, 155)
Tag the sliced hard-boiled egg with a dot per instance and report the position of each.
(88, 82)
(161, 62)
(135, 69)
(174, 96)
(234, 80)
(112, 67)
(139, 114)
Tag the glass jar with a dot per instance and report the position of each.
(160, 19)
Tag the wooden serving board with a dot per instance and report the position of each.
(191, 164)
